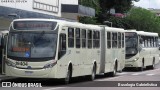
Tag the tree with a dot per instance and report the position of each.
(88, 20)
(142, 19)
(91, 3)
(139, 19)
(120, 6)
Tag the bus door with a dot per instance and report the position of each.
(3, 42)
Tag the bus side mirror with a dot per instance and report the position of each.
(141, 41)
(3, 41)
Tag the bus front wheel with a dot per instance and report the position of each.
(142, 66)
(68, 76)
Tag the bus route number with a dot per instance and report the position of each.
(21, 63)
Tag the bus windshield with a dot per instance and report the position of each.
(131, 43)
(32, 45)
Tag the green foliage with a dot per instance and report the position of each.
(139, 19)
(121, 6)
(142, 19)
(88, 20)
(102, 7)
(118, 22)
(91, 3)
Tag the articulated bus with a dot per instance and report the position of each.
(48, 48)
(141, 49)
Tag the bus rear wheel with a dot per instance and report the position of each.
(112, 74)
(153, 65)
(93, 74)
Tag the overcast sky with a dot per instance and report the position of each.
(148, 4)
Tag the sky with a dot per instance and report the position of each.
(148, 4)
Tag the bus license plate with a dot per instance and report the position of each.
(28, 72)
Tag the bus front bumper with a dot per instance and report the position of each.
(39, 73)
(132, 63)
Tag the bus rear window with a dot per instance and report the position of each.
(34, 25)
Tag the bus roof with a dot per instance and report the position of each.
(75, 24)
(143, 33)
(64, 23)
(113, 29)
(40, 19)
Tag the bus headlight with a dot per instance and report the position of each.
(9, 63)
(50, 65)
(136, 59)
(133, 52)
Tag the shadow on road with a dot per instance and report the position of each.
(74, 81)
(56, 82)
(131, 69)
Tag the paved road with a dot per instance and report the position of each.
(128, 78)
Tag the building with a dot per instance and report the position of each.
(59, 9)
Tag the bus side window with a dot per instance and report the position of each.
(71, 37)
(98, 39)
(83, 36)
(89, 34)
(123, 40)
(108, 40)
(78, 42)
(94, 39)
(62, 45)
(119, 40)
(156, 41)
(114, 40)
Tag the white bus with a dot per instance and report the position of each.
(141, 49)
(47, 48)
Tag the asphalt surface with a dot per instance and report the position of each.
(129, 79)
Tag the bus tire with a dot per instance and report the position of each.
(68, 75)
(93, 74)
(112, 74)
(153, 64)
(142, 66)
